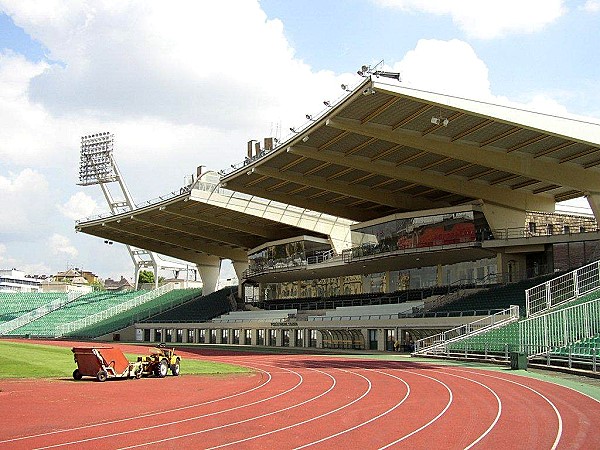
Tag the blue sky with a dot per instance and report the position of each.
(187, 83)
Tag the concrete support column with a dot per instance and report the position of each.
(209, 268)
(240, 267)
(501, 218)
(381, 339)
(594, 202)
(278, 337)
(386, 287)
(219, 336)
(184, 336)
(319, 339)
(152, 334)
(292, 337)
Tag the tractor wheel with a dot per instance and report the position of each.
(77, 374)
(162, 369)
(175, 369)
(102, 375)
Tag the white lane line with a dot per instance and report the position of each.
(172, 438)
(144, 416)
(368, 421)
(558, 416)
(150, 427)
(450, 399)
(304, 421)
(498, 414)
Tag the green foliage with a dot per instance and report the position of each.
(147, 276)
(24, 360)
(97, 286)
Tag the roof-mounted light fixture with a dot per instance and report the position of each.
(305, 138)
(293, 130)
(345, 88)
(309, 117)
(366, 71)
(443, 121)
(328, 104)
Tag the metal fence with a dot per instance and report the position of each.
(569, 286)
(560, 328)
(66, 328)
(438, 342)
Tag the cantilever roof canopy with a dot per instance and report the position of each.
(184, 227)
(385, 149)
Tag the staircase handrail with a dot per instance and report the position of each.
(32, 315)
(562, 289)
(587, 324)
(66, 328)
(466, 330)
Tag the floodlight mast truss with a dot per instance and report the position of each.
(97, 166)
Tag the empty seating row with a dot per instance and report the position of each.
(83, 306)
(198, 309)
(157, 305)
(13, 305)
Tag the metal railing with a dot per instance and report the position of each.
(562, 289)
(26, 318)
(571, 356)
(560, 328)
(290, 263)
(439, 342)
(66, 328)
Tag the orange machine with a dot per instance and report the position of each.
(103, 363)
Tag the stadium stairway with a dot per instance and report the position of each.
(570, 328)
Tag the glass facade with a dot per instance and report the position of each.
(420, 232)
(290, 254)
(479, 271)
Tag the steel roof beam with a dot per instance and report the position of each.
(522, 164)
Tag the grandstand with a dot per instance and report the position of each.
(379, 201)
(567, 333)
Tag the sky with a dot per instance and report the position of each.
(188, 82)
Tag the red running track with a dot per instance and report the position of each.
(301, 401)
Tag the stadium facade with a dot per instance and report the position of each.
(392, 194)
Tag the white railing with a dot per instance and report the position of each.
(66, 328)
(438, 342)
(562, 289)
(26, 318)
(560, 328)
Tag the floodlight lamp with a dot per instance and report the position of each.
(345, 87)
(305, 138)
(327, 103)
(445, 122)
(309, 117)
(293, 130)
(435, 120)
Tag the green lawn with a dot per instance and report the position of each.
(20, 360)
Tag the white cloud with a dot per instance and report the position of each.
(485, 19)
(61, 245)
(592, 6)
(449, 67)
(79, 206)
(25, 197)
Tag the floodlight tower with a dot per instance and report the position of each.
(97, 166)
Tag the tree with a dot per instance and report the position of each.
(147, 276)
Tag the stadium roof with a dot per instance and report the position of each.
(385, 148)
(187, 225)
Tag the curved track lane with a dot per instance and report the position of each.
(295, 401)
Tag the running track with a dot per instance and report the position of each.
(301, 401)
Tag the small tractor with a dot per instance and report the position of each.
(160, 361)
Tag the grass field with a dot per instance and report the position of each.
(20, 360)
